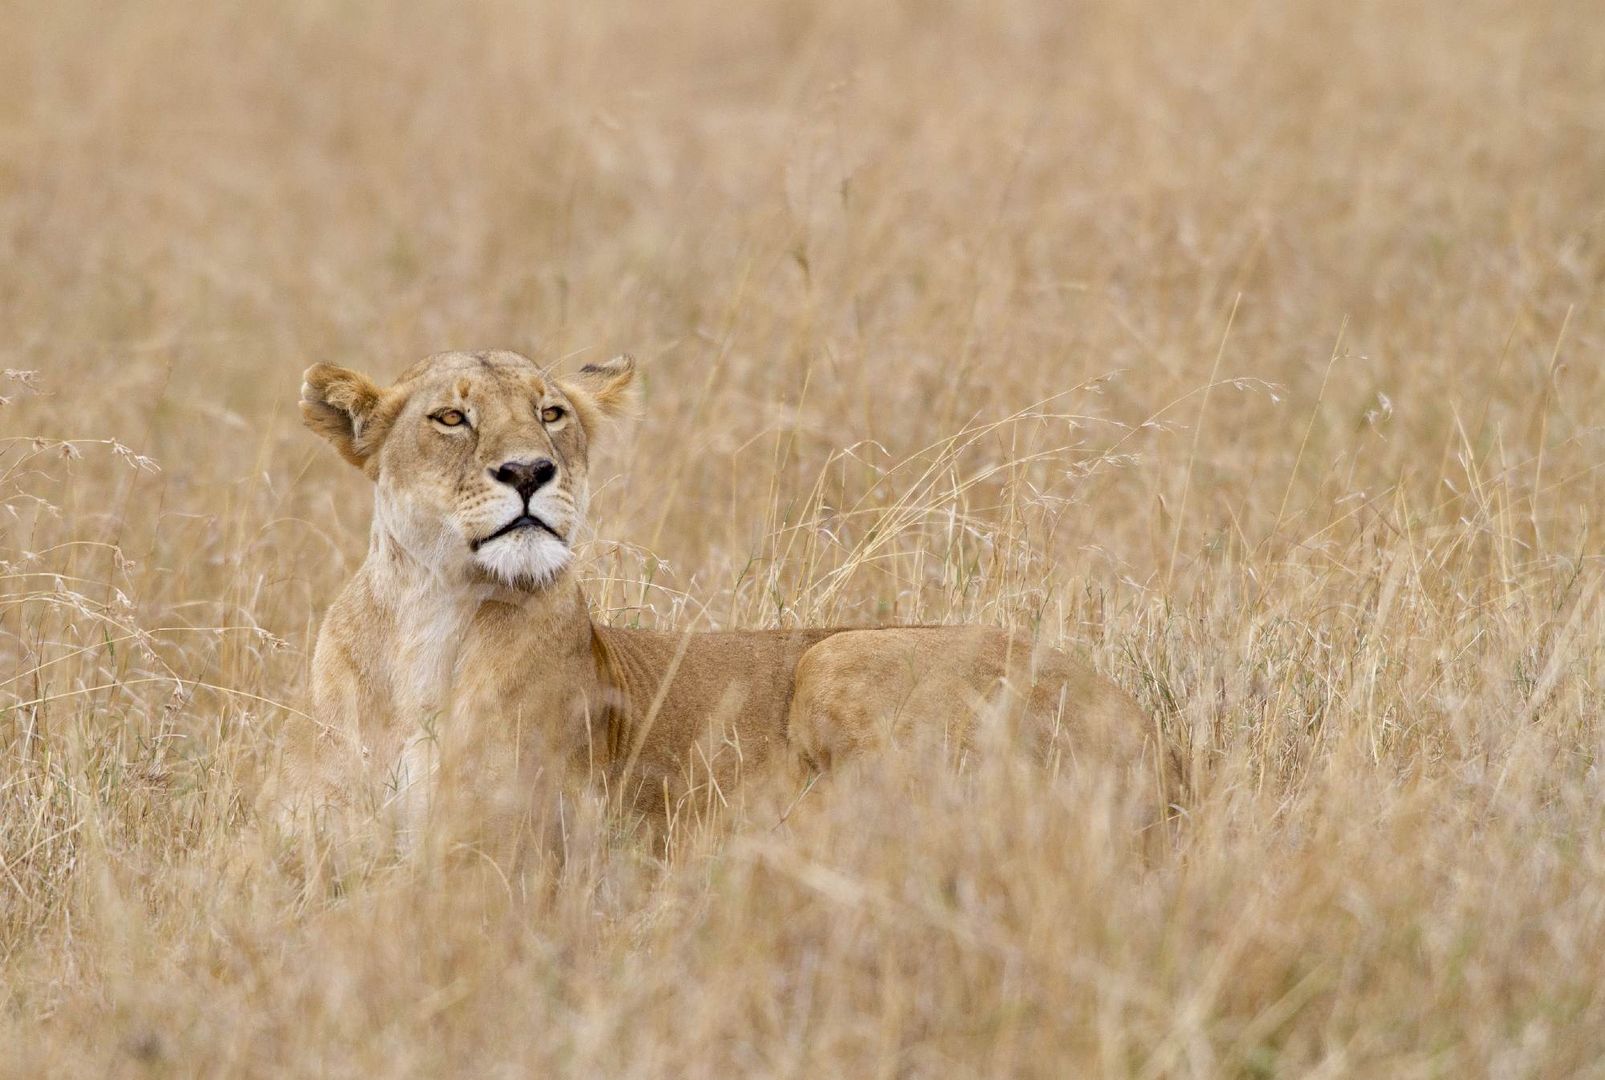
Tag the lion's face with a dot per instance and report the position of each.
(479, 458)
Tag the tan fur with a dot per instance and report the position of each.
(441, 668)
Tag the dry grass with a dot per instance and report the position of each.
(1344, 550)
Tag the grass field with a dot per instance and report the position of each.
(1251, 350)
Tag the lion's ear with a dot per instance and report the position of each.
(600, 391)
(342, 405)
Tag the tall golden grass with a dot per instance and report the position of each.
(1252, 350)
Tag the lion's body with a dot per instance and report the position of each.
(438, 667)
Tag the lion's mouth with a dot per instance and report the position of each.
(522, 521)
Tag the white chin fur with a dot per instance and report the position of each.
(528, 557)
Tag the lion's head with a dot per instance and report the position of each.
(479, 458)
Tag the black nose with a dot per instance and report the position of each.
(526, 477)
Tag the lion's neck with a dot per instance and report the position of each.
(441, 626)
(529, 675)
(428, 613)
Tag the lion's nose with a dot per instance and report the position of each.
(526, 477)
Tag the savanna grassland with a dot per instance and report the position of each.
(1252, 351)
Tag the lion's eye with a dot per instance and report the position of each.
(449, 418)
(551, 414)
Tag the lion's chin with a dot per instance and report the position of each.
(526, 559)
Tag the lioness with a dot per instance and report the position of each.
(463, 646)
